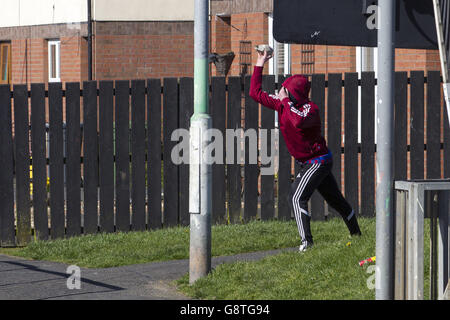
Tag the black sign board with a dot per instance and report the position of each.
(352, 23)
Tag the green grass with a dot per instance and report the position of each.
(329, 270)
(112, 250)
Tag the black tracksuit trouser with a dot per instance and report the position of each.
(318, 176)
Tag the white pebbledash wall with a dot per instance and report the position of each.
(41, 12)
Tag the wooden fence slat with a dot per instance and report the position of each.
(170, 124)
(234, 183)
(57, 217)
(446, 145)
(284, 174)
(106, 155)
(138, 154)
(90, 157)
(417, 124)
(185, 113)
(351, 140)
(284, 180)
(73, 166)
(294, 164)
(38, 152)
(251, 149)
(22, 156)
(7, 231)
(368, 144)
(122, 153)
(334, 132)
(400, 125)
(318, 97)
(218, 114)
(434, 125)
(267, 180)
(154, 153)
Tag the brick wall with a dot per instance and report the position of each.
(226, 33)
(132, 50)
(29, 61)
(73, 56)
(220, 38)
(412, 59)
(247, 27)
(327, 59)
(19, 61)
(121, 50)
(129, 50)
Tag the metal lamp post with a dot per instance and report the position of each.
(200, 174)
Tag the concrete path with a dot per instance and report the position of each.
(31, 280)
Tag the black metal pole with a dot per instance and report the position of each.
(89, 40)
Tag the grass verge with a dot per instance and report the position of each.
(329, 271)
(118, 249)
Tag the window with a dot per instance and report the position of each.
(54, 59)
(5, 63)
(283, 58)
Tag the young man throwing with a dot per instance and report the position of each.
(300, 125)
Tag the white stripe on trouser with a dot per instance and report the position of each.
(305, 212)
(296, 204)
(295, 199)
(351, 215)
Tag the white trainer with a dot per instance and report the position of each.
(305, 246)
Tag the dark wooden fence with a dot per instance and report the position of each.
(107, 151)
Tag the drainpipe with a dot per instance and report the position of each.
(89, 4)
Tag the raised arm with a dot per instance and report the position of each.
(260, 96)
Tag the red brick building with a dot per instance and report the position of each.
(130, 45)
(235, 23)
(139, 39)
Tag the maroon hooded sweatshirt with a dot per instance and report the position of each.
(299, 123)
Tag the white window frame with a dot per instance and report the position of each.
(273, 68)
(287, 58)
(287, 52)
(57, 44)
(362, 66)
(8, 63)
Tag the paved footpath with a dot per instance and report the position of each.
(32, 280)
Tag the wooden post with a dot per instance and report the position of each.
(138, 154)
(56, 160)
(73, 166)
(154, 153)
(170, 124)
(7, 236)
(234, 168)
(90, 157)
(122, 125)
(106, 155)
(218, 113)
(267, 181)
(38, 150)
(251, 148)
